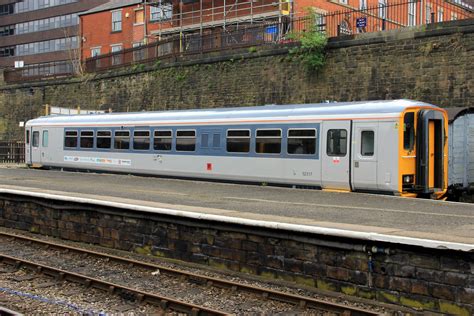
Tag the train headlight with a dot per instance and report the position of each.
(408, 178)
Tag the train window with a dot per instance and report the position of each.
(301, 141)
(409, 131)
(337, 142)
(367, 143)
(27, 137)
(87, 139)
(216, 140)
(122, 140)
(268, 141)
(70, 139)
(36, 137)
(45, 138)
(163, 140)
(185, 140)
(104, 139)
(141, 140)
(238, 141)
(204, 140)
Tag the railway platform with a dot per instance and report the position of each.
(416, 253)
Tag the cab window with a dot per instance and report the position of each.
(409, 131)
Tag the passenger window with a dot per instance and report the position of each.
(238, 141)
(163, 140)
(45, 138)
(27, 137)
(141, 140)
(337, 142)
(185, 140)
(70, 139)
(104, 139)
(268, 141)
(87, 139)
(367, 143)
(36, 139)
(409, 131)
(122, 140)
(301, 141)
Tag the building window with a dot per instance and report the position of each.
(185, 140)
(104, 139)
(301, 141)
(141, 140)
(454, 16)
(139, 17)
(70, 139)
(138, 54)
(59, 44)
(7, 30)
(336, 142)
(343, 1)
(6, 9)
(95, 51)
(87, 139)
(363, 4)
(412, 13)
(429, 12)
(367, 143)
(163, 140)
(161, 12)
(238, 141)
(116, 21)
(383, 9)
(7, 51)
(440, 14)
(122, 140)
(268, 141)
(117, 58)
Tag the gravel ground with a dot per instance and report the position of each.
(238, 303)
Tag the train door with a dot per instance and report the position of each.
(335, 164)
(364, 155)
(430, 143)
(210, 141)
(35, 145)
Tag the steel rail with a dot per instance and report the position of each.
(301, 301)
(141, 296)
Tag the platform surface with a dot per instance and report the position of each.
(392, 216)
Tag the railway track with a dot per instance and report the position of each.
(301, 302)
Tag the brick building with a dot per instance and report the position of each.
(121, 24)
(41, 32)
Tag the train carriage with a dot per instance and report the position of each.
(394, 147)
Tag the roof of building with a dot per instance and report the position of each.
(111, 5)
(241, 114)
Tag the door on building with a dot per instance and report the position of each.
(335, 155)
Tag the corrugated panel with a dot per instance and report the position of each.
(457, 147)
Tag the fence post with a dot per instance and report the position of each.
(432, 17)
(338, 29)
(383, 24)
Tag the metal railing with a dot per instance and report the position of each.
(12, 152)
(395, 15)
(40, 71)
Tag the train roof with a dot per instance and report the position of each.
(315, 110)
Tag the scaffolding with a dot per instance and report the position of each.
(216, 13)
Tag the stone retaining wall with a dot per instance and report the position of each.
(424, 279)
(428, 63)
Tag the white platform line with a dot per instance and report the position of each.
(376, 237)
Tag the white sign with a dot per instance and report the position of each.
(22, 124)
(19, 64)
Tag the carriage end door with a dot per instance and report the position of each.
(335, 165)
(364, 156)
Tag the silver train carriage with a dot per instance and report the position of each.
(395, 147)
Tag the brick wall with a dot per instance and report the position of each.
(429, 64)
(424, 279)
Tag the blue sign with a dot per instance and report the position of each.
(361, 22)
(273, 29)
